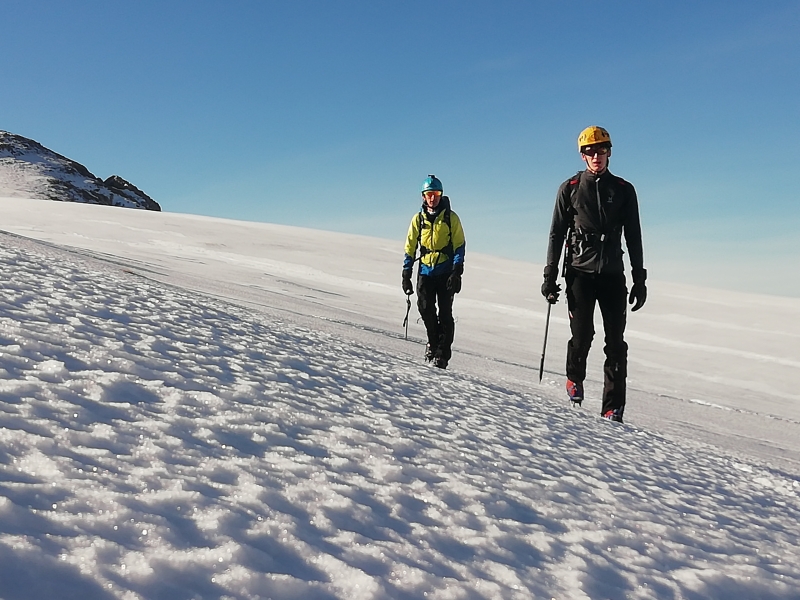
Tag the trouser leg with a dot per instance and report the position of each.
(581, 298)
(612, 297)
(447, 325)
(426, 303)
(439, 324)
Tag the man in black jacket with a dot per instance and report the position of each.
(593, 210)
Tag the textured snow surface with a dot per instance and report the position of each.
(159, 443)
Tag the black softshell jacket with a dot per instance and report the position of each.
(596, 210)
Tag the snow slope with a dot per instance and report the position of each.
(712, 365)
(161, 443)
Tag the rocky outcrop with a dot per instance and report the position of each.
(29, 170)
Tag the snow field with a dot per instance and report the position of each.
(157, 444)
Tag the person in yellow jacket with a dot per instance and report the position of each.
(437, 230)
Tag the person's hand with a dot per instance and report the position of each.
(638, 294)
(454, 283)
(550, 288)
(639, 290)
(408, 287)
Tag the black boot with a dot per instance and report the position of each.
(442, 355)
(430, 353)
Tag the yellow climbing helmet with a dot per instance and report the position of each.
(593, 135)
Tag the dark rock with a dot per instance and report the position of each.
(29, 170)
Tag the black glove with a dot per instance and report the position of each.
(639, 290)
(454, 280)
(550, 288)
(408, 287)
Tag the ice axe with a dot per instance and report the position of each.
(408, 310)
(544, 346)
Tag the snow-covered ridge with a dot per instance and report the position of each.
(29, 170)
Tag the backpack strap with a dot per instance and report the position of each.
(448, 250)
(574, 183)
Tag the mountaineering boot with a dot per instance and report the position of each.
(575, 392)
(441, 357)
(613, 415)
(430, 353)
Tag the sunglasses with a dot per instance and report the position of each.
(592, 150)
(432, 194)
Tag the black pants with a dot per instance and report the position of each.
(432, 290)
(584, 290)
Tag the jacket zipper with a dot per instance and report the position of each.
(602, 225)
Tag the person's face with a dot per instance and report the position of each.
(432, 198)
(596, 157)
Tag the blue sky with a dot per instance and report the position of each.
(329, 114)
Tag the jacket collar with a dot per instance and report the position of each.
(595, 177)
(443, 204)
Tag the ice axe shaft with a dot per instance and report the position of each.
(408, 310)
(544, 346)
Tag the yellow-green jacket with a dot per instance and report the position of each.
(442, 247)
